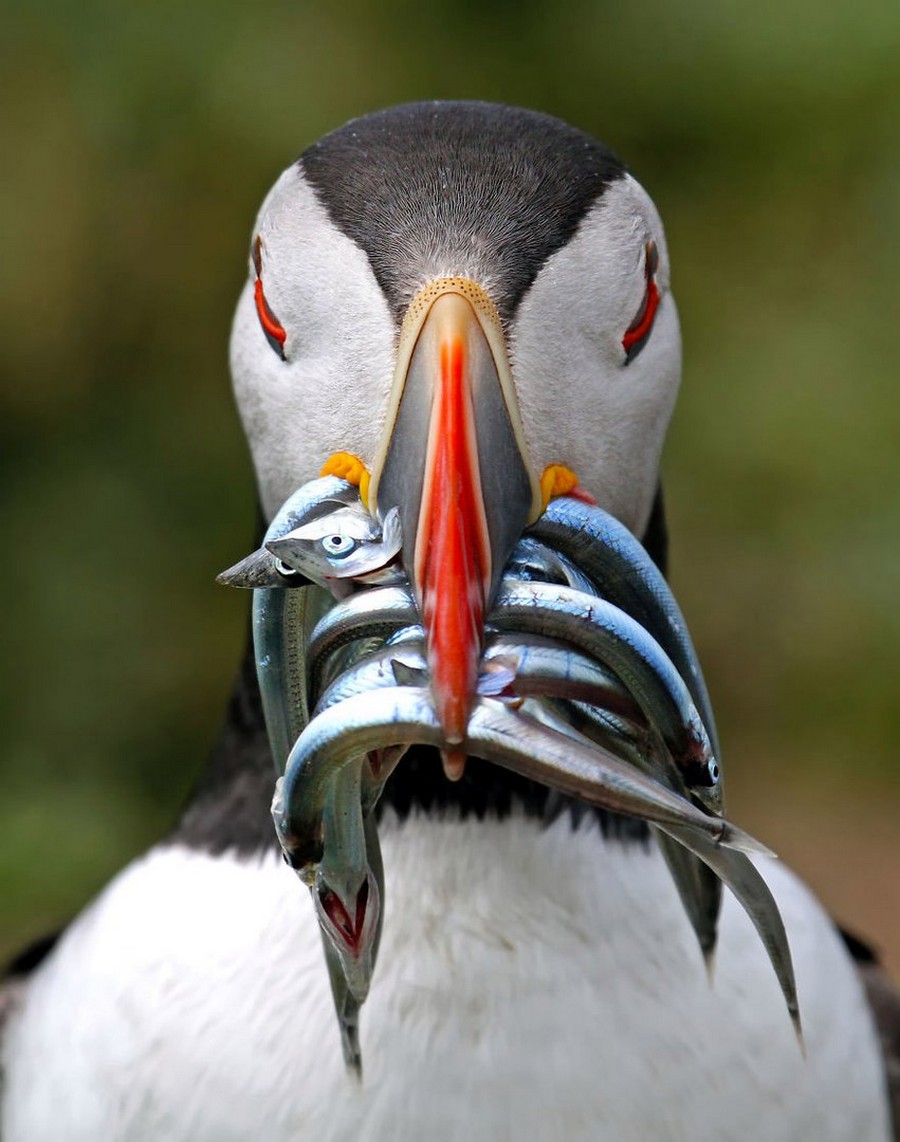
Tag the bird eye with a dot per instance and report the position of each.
(275, 332)
(338, 546)
(638, 332)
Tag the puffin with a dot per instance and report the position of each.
(463, 309)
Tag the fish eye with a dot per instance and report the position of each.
(284, 569)
(713, 770)
(638, 332)
(338, 546)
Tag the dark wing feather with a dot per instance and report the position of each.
(884, 1001)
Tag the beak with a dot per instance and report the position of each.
(453, 461)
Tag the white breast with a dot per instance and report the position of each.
(531, 985)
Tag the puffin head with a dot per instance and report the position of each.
(464, 309)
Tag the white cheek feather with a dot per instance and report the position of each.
(532, 984)
(331, 393)
(580, 405)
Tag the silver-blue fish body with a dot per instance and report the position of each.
(605, 632)
(405, 715)
(377, 671)
(543, 667)
(536, 561)
(624, 574)
(377, 613)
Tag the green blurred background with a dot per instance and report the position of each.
(138, 140)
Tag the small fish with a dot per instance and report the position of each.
(512, 666)
(737, 871)
(376, 613)
(608, 634)
(405, 715)
(347, 894)
(322, 534)
(543, 668)
(381, 669)
(623, 573)
(283, 621)
(685, 850)
(340, 549)
(348, 888)
(616, 566)
(261, 568)
(585, 771)
(539, 562)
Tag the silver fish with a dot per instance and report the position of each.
(541, 667)
(526, 665)
(263, 569)
(624, 574)
(736, 870)
(405, 715)
(375, 613)
(536, 561)
(514, 669)
(608, 721)
(283, 621)
(610, 635)
(544, 668)
(342, 549)
(346, 892)
(348, 889)
(377, 670)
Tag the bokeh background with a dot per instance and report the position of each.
(138, 140)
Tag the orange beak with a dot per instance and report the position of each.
(453, 461)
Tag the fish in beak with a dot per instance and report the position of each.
(453, 461)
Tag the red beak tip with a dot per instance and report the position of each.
(454, 761)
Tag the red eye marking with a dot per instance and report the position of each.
(272, 327)
(638, 332)
(267, 319)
